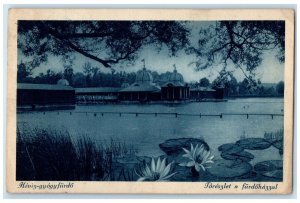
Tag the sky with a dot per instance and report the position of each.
(270, 71)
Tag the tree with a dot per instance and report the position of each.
(107, 42)
(226, 79)
(23, 72)
(68, 74)
(79, 80)
(223, 79)
(239, 43)
(280, 88)
(204, 82)
(90, 72)
(244, 87)
(49, 78)
(270, 91)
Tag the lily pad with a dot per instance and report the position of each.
(271, 168)
(174, 146)
(270, 165)
(229, 168)
(230, 148)
(278, 144)
(254, 143)
(278, 174)
(184, 174)
(243, 155)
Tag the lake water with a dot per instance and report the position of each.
(145, 132)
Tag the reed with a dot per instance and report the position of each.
(274, 136)
(45, 154)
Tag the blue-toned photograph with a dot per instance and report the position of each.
(179, 101)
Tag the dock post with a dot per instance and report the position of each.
(120, 114)
(95, 114)
(200, 115)
(221, 116)
(136, 114)
(247, 116)
(176, 115)
(272, 116)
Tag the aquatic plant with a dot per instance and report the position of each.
(276, 139)
(45, 154)
(159, 171)
(199, 158)
(121, 149)
(274, 136)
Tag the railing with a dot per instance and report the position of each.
(220, 115)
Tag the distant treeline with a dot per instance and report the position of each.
(248, 87)
(93, 77)
(90, 77)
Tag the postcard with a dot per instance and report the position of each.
(150, 101)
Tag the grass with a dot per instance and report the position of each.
(44, 154)
(274, 136)
(276, 139)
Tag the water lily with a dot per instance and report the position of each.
(199, 158)
(159, 171)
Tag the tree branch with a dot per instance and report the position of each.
(105, 63)
(220, 48)
(86, 54)
(85, 35)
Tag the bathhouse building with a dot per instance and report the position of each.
(97, 94)
(221, 92)
(36, 96)
(202, 93)
(175, 88)
(143, 89)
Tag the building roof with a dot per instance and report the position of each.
(141, 87)
(143, 83)
(176, 77)
(143, 76)
(97, 90)
(63, 82)
(31, 86)
(175, 84)
(203, 89)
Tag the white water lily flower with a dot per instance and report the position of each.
(198, 157)
(159, 171)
